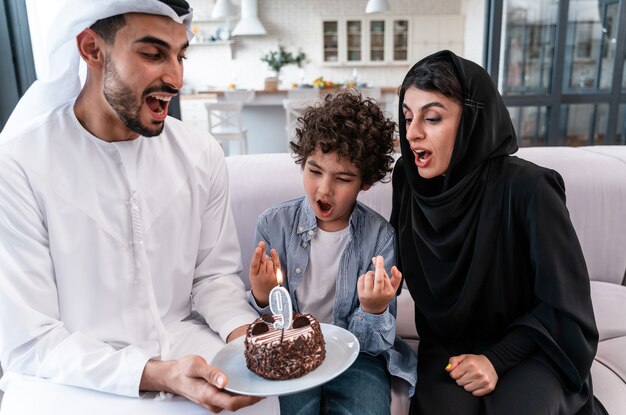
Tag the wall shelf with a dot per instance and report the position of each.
(228, 43)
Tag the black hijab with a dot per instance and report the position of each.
(454, 218)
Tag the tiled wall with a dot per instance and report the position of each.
(436, 24)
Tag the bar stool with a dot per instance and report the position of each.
(241, 95)
(225, 124)
(372, 93)
(303, 93)
(293, 110)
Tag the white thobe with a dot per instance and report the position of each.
(107, 248)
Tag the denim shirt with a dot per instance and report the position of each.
(290, 227)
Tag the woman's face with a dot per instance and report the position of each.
(431, 123)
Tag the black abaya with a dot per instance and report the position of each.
(495, 268)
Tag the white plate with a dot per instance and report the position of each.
(342, 349)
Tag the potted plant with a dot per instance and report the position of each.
(276, 59)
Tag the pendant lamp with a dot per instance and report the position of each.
(249, 23)
(223, 9)
(377, 6)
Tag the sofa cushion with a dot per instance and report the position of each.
(609, 307)
(609, 388)
(611, 353)
(595, 187)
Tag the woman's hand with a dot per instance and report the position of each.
(376, 289)
(194, 379)
(474, 373)
(263, 274)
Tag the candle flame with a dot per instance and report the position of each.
(279, 276)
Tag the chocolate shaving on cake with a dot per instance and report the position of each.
(259, 328)
(300, 321)
(302, 350)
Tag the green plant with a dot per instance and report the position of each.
(276, 59)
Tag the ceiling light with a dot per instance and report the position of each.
(249, 23)
(223, 9)
(377, 6)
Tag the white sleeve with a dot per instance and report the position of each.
(218, 292)
(33, 339)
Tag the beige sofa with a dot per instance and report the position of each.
(595, 180)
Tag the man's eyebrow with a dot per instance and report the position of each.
(160, 42)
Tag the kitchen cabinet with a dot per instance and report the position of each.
(366, 41)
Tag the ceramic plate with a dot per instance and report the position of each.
(342, 349)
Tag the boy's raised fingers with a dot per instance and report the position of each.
(255, 262)
(275, 259)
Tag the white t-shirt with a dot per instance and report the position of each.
(316, 292)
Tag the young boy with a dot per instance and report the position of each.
(332, 250)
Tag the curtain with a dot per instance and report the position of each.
(17, 69)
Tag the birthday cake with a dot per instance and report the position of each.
(276, 354)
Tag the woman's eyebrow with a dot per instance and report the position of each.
(426, 106)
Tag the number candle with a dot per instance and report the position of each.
(280, 304)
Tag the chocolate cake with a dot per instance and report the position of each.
(274, 354)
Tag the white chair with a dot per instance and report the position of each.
(239, 95)
(225, 124)
(303, 93)
(293, 109)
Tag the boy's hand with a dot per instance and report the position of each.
(263, 274)
(376, 289)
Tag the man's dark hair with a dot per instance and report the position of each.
(351, 126)
(107, 28)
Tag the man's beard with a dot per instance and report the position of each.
(120, 97)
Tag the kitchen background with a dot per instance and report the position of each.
(218, 60)
(559, 64)
(298, 25)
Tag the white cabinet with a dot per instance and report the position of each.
(366, 41)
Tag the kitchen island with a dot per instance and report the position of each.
(264, 117)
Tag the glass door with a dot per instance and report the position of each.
(377, 40)
(331, 41)
(400, 40)
(353, 29)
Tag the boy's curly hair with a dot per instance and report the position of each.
(351, 126)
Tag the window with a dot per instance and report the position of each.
(555, 64)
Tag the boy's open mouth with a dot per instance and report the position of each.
(324, 207)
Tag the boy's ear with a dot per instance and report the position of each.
(88, 43)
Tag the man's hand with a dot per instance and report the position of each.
(376, 289)
(474, 373)
(194, 379)
(263, 273)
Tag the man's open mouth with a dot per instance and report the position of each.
(158, 103)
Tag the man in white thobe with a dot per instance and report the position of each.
(119, 257)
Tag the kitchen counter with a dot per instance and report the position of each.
(264, 117)
(267, 97)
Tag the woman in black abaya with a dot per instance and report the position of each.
(485, 243)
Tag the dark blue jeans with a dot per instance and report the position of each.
(363, 389)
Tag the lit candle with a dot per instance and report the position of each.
(280, 304)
